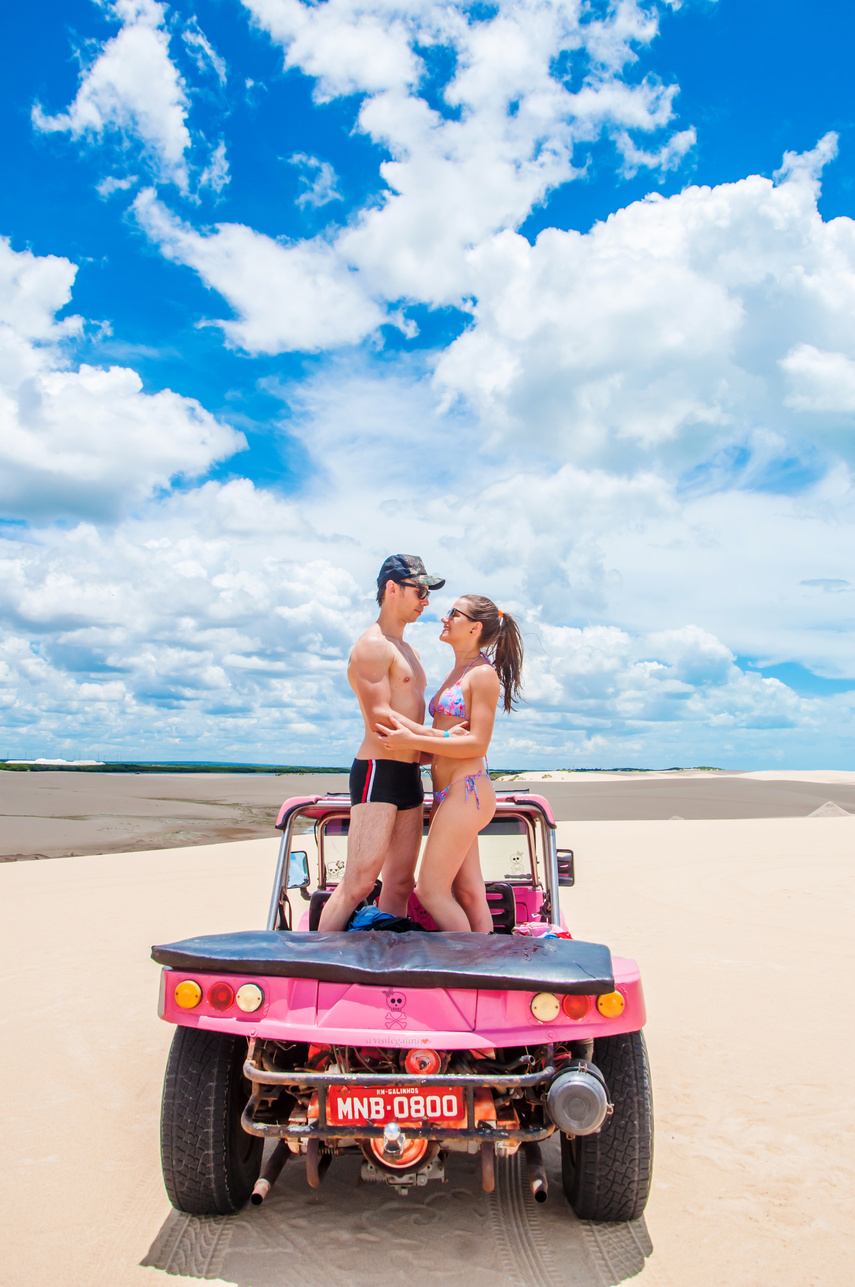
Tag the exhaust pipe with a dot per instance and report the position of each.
(488, 1166)
(578, 1100)
(317, 1164)
(536, 1171)
(270, 1174)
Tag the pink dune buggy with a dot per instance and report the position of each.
(406, 1047)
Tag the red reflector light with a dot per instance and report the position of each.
(220, 996)
(422, 1063)
(576, 1007)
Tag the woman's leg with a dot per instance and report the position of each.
(453, 832)
(468, 889)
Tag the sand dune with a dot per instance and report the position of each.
(55, 814)
(743, 932)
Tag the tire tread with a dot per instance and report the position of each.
(609, 1178)
(199, 1170)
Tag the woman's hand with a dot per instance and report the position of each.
(398, 738)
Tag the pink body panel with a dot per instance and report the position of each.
(353, 1014)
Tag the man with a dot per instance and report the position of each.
(386, 792)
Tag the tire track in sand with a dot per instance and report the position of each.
(363, 1235)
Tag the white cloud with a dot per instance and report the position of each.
(287, 297)
(507, 134)
(202, 51)
(319, 182)
(218, 620)
(132, 88)
(819, 381)
(216, 173)
(113, 183)
(222, 618)
(607, 679)
(83, 440)
(669, 156)
(207, 619)
(635, 447)
(668, 327)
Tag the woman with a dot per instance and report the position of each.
(450, 884)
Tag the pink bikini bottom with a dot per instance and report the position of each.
(439, 796)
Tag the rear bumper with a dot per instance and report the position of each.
(306, 1010)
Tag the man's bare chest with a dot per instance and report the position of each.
(406, 675)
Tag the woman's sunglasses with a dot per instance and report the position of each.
(455, 612)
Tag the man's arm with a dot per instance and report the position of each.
(370, 677)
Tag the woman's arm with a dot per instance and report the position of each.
(483, 698)
(421, 730)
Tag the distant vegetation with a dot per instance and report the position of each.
(166, 766)
(676, 768)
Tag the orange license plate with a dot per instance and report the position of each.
(382, 1104)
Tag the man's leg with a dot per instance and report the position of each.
(371, 828)
(399, 869)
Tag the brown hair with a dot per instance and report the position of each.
(500, 635)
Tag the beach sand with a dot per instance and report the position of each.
(59, 814)
(743, 932)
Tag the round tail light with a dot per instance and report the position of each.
(422, 1063)
(188, 994)
(220, 996)
(545, 1007)
(576, 1007)
(249, 997)
(610, 1005)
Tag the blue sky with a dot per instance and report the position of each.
(561, 296)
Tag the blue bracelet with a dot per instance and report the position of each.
(446, 733)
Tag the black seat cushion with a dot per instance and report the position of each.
(316, 906)
(503, 906)
(320, 896)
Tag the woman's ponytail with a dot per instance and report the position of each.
(500, 635)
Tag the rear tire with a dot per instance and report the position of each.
(210, 1163)
(607, 1176)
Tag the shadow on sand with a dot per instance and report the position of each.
(350, 1234)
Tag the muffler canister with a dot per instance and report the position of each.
(578, 1101)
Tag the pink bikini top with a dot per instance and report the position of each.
(452, 702)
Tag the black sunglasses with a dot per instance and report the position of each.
(455, 612)
(411, 585)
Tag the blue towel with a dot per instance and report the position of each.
(368, 918)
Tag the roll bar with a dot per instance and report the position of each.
(315, 806)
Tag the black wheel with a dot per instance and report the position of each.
(210, 1163)
(607, 1176)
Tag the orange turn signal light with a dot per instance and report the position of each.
(188, 994)
(576, 1007)
(610, 1005)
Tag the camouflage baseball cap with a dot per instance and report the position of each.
(408, 567)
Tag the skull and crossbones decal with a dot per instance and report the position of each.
(395, 1000)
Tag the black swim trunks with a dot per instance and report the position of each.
(386, 782)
